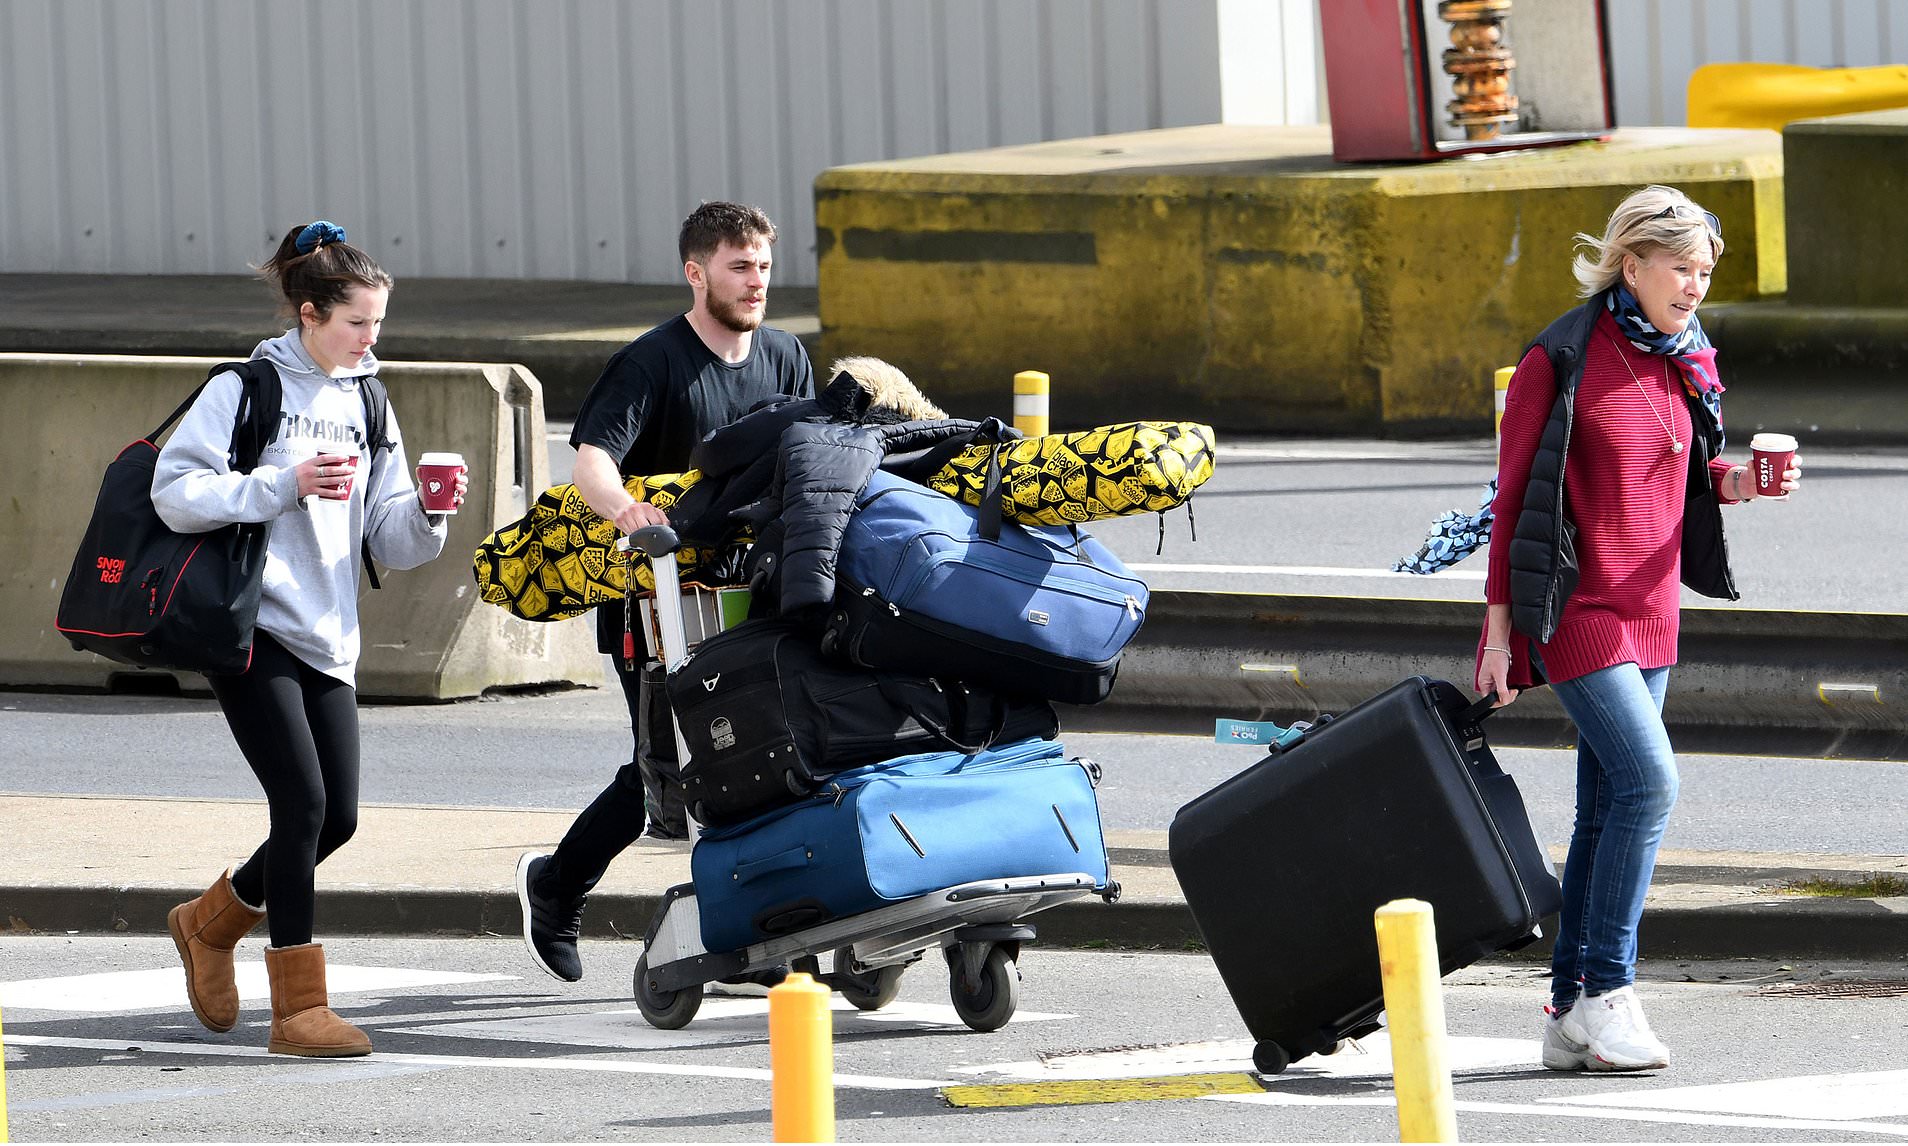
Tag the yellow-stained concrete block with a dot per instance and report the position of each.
(1236, 275)
(427, 635)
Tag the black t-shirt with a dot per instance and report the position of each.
(664, 392)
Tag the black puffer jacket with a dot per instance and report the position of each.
(820, 470)
(1543, 554)
(790, 471)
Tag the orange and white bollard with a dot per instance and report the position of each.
(1030, 403)
(802, 1061)
(1414, 1014)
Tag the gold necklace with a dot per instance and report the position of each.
(1669, 394)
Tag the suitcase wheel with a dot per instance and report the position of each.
(1270, 1058)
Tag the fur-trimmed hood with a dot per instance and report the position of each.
(861, 391)
(869, 390)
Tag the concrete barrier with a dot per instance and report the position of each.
(1236, 275)
(1846, 177)
(1748, 680)
(427, 636)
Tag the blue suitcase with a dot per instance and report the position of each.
(889, 832)
(1038, 610)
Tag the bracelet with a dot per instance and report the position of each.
(1497, 649)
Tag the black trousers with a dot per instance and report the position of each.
(647, 790)
(298, 729)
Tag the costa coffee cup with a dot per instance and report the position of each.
(437, 481)
(1769, 458)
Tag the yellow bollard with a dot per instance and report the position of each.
(1501, 382)
(1414, 1011)
(1030, 403)
(802, 1061)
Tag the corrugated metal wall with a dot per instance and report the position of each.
(533, 138)
(1656, 44)
(567, 138)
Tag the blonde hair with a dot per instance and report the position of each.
(1656, 218)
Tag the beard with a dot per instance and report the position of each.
(732, 314)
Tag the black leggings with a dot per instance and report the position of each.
(298, 729)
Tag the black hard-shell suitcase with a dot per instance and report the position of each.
(768, 720)
(1283, 865)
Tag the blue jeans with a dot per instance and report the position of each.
(1626, 785)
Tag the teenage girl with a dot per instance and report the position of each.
(294, 712)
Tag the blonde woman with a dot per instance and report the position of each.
(1611, 479)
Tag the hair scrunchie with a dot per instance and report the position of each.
(317, 235)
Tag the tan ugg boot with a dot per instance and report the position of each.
(205, 930)
(303, 1022)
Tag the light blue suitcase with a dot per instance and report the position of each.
(888, 832)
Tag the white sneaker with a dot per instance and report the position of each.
(1561, 1052)
(1612, 1027)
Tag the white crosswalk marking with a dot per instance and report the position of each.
(1875, 1094)
(1839, 1130)
(152, 990)
(446, 1061)
(719, 1021)
(1369, 1057)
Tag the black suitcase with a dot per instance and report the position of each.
(1283, 865)
(767, 719)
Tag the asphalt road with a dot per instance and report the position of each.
(472, 1045)
(558, 750)
(1331, 516)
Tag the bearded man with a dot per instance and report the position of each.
(657, 398)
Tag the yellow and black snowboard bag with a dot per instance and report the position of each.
(1090, 475)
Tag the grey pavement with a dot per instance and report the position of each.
(100, 840)
(82, 861)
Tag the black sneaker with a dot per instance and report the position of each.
(550, 926)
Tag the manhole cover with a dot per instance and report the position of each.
(1841, 989)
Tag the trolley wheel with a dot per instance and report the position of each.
(987, 1003)
(868, 990)
(664, 1010)
(1270, 1058)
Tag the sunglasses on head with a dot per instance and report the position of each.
(1675, 211)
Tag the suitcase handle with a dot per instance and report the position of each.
(795, 857)
(1476, 713)
(958, 698)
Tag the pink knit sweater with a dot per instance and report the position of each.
(1623, 487)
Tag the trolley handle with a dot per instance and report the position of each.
(651, 541)
(658, 543)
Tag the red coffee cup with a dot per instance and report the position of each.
(437, 481)
(1769, 458)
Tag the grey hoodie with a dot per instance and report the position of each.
(310, 599)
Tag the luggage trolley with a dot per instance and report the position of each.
(978, 926)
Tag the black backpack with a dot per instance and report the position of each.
(139, 593)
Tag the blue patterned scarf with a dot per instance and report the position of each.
(1694, 357)
(1457, 534)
